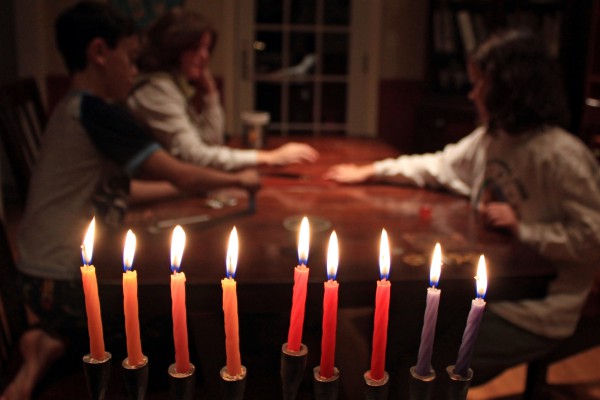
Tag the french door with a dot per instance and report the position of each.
(312, 64)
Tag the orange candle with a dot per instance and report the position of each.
(130, 303)
(330, 305)
(92, 301)
(230, 309)
(382, 306)
(300, 283)
(180, 335)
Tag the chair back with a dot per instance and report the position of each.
(22, 121)
(13, 319)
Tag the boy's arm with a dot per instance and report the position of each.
(190, 178)
(142, 191)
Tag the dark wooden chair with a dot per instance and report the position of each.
(12, 313)
(22, 121)
(586, 336)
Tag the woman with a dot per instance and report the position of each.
(175, 57)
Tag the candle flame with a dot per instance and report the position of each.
(436, 266)
(303, 240)
(384, 256)
(129, 251)
(332, 257)
(481, 278)
(177, 245)
(232, 254)
(87, 248)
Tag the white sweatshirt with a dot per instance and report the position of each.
(161, 101)
(552, 181)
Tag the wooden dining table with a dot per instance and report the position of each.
(268, 222)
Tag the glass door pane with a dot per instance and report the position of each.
(312, 64)
(301, 53)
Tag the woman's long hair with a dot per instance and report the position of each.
(174, 32)
(526, 92)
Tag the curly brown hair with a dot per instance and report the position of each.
(526, 91)
(174, 32)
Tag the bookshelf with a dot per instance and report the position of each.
(457, 27)
(590, 125)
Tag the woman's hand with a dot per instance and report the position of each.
(289, 153)
(350, 173)
(207, 82)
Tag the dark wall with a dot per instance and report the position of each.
(8, 49)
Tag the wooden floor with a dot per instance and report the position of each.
(577, 378)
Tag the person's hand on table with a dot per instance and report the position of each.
(249, 179)
(350, 173)
(289, 153)
(500, 215)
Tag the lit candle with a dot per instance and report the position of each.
(92, 301)
(473, 322)
(423, 367)
(330, 301)
(382, 306)
(130, 303)
(300, 283)
(180, 335)
(230, 309)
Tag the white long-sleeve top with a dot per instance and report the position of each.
(161, 101)
(552, 181)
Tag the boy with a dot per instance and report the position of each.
(91, 150)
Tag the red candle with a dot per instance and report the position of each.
(130, 304)
(300, 282)
(382, 306)
(180, 336)
(230, 309)
(92, 301)
(330, 301)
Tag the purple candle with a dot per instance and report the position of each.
(423, 367)
(473, 322)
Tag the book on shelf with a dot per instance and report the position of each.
(551, 31)
(443, 31)
(480, 27)
(466, 30)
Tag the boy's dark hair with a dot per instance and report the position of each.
(87, 20)
(174, 32)
(526, 92)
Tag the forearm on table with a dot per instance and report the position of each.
(147, 191)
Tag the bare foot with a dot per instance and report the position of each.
(39, 351)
